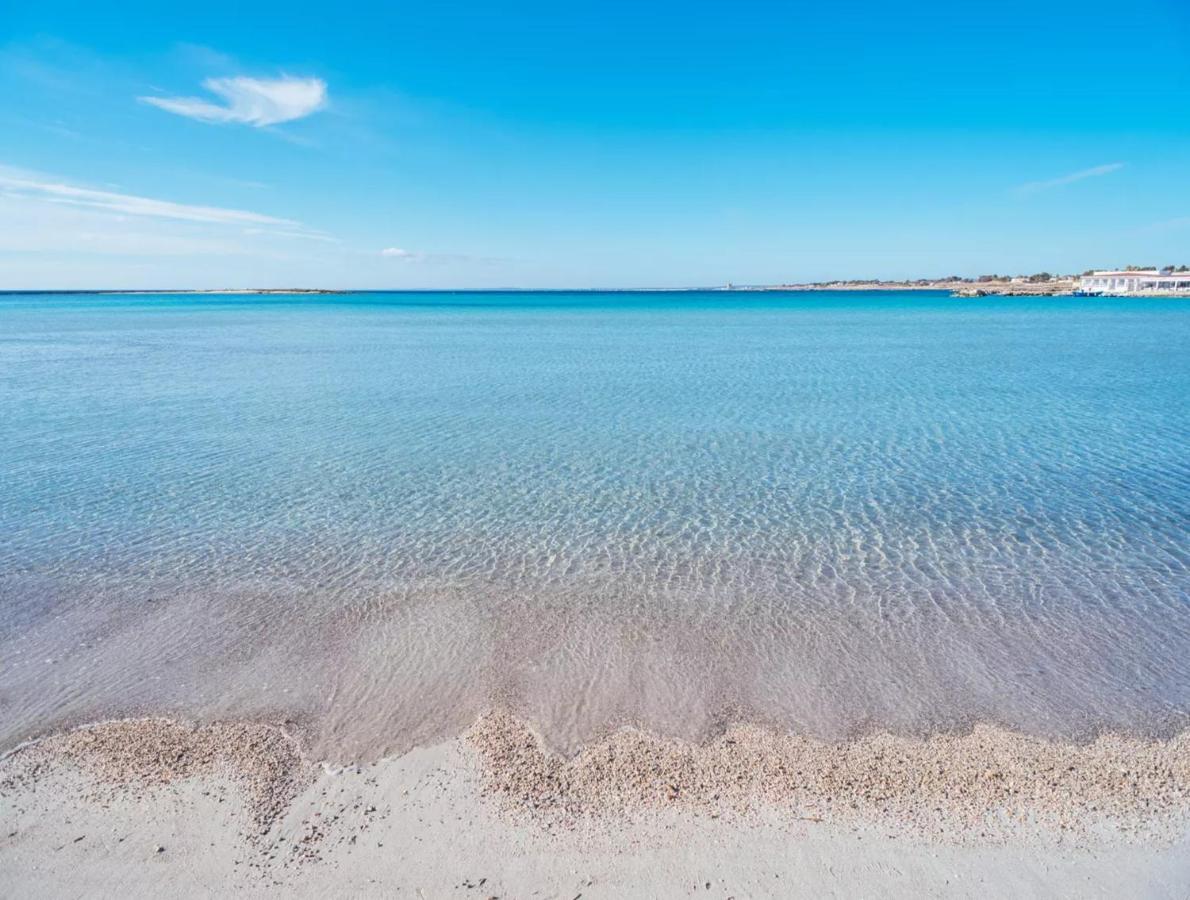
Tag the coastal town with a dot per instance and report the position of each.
(1140, 280)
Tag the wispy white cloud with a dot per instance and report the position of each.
(252, 101)
(1034, 187)
(399, 253)
(27, 185)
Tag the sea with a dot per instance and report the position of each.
(374, 516)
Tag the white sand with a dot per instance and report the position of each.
(423, 825)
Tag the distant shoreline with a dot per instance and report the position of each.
(233, 291)
(216, 291)
(1055, 288)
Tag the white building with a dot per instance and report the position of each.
(1134, 282)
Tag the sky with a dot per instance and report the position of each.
(611, 144)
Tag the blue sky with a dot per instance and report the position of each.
(587, 144)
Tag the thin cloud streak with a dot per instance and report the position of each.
(251, 101)
(1034, 187)
(129, 204)
(29, 186)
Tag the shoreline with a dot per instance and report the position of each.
(746, 766)
(239, 804)
(957, 289)
(943, 785)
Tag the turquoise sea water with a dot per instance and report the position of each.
(378, 514)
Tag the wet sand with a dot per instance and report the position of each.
(148, 806)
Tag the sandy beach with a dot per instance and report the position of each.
(147, 807)
(593, 451)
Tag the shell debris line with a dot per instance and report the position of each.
(975, 780)
(985, 782)
(262, 760)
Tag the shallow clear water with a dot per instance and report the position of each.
(381, 513)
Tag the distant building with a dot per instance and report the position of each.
(1136, 281)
